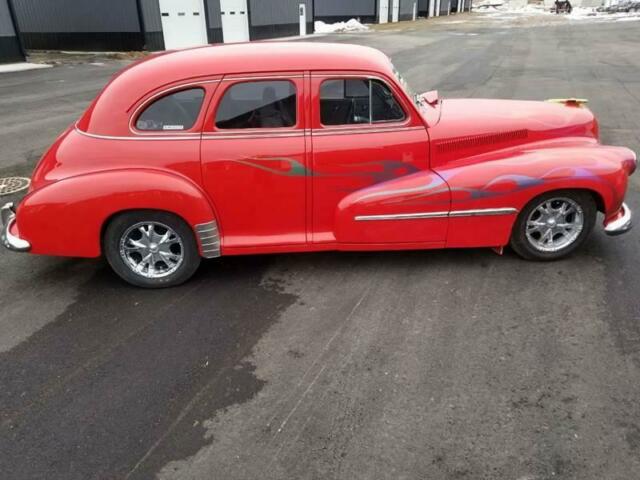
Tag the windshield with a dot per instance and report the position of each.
(406, 86)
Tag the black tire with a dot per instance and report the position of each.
(187, 248)
(525, 248)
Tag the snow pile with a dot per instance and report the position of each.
(352, 25)
(508, 12)
(21, 67)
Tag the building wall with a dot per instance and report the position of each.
(331, 11)
(150, 11)
(9, 45)
(277, 18)
(406, 9)
(445, 7)
(79, 24)
(423, 8)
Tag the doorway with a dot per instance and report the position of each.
(235, 21)
(183, 23)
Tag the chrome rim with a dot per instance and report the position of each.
(151, 249)
(554, 224)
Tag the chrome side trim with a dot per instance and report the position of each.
(402, 216)
(209, 239)
(422, 215)
(620, 225)
(267, 134)
(10, 241)
(483, 211)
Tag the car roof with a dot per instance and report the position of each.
(167, 68)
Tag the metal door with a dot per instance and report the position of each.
(183, 23)
(235, 21)
(395, 11)
(383, 12)
(302, 8)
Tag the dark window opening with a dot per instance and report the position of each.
(258, 104)
(177, 111)
(357, 101)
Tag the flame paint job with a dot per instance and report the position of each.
(301, 188)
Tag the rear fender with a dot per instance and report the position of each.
(66, 218)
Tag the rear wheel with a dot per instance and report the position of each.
(553, 225)
(151, 249)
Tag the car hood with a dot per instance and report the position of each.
(471, 127)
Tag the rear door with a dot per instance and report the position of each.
(371, 182)
(254, 160)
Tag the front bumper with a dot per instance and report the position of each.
(622, 224)
(8, 216)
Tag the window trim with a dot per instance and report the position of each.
(371, 125)
(233, 81)
(195, 129)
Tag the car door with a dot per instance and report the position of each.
(254, 160)
(371, 182)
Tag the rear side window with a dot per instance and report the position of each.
(356, 101)
(259, 104)
(177, 111)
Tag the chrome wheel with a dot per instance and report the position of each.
(151, 249)
(554, 224)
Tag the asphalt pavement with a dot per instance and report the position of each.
(398, 365)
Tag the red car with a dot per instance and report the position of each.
(291, 147)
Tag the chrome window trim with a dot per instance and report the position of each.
(365, 129)
(453, 213)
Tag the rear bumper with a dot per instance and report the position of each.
(10, 241)
(622, 224)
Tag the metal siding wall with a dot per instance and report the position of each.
(346, 8)
(423, 6)
(213, 11)
(151, 15)
(406, 9)
(278, 12)
(76, 16)
(6, 25)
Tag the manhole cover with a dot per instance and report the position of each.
(10, 185)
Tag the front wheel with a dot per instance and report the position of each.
(553, 225)
(151, 249)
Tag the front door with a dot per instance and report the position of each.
(383, 13)
(235, 21)
(371, 182)
(254, 161)
(183, 23)
(395, 13)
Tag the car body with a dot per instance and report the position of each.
(291, 147)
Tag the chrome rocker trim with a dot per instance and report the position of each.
(620, 225)
(8, 216)
(453, 213)
(209, 239)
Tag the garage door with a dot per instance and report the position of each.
(235, 21)
(183, 23)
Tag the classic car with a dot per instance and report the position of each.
(291, 147)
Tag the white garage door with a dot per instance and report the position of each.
(383, 14)
(235, 21)
(183, 23)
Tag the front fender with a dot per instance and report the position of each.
(66, 217)
(512, 178)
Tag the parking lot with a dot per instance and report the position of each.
(397, 365)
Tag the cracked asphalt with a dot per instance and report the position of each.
(400, 365)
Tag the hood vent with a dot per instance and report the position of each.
(473, 141)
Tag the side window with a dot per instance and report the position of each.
(356, 101)
(176, 111)
(258, 104)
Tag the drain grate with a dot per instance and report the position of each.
(9, 185)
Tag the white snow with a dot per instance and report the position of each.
(352, 25)
(21, 67)
(509, 11)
